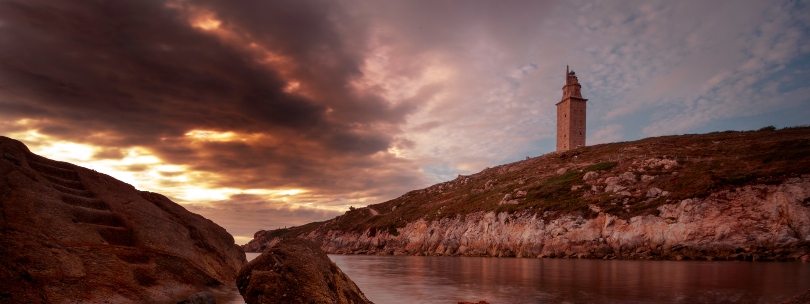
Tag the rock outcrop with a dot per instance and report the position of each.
(72, 234)
(296, 271)
(756, 222)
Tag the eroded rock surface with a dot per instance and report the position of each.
(70, 234)
(296, 271)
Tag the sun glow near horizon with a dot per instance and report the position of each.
(145, 171)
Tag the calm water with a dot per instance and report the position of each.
(409, 279)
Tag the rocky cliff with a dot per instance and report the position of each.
(752, 222)
(70, 234)
(729, 195)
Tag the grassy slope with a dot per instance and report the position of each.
(707, 162)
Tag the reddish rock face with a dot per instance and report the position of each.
(73, 234)
(296, 271)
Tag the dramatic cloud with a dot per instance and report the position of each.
(264, 114)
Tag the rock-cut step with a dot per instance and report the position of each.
(96, 217)
(33, 158)
(108, 225)
(68, 174)
(73, 184)
(86, 202)
(114, 235)
(71, 191)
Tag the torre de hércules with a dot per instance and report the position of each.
(571, 114)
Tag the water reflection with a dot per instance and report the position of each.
(409, 279)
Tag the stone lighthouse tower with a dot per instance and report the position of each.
(571, 114)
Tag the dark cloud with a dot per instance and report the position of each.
(141, 74)
(140, 67)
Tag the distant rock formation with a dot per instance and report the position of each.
(70, 234)
(296, 271)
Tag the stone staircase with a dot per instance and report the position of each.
(86, 210)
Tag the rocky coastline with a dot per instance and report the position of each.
(756, 222)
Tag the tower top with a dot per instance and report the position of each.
(571, 78)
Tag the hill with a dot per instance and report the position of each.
(728, 195)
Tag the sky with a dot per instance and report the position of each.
(267, 114)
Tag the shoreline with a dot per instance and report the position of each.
(574, 258)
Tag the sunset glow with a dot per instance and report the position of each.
(142, 169)
(208, 23)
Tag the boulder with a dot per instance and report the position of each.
(614, 188)
(654, 192)
(508, 200)
(612, 180)
(647, 178)
(489, 184)
(628, 177)
(590, 176)
(296, 271)
(70, 234)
